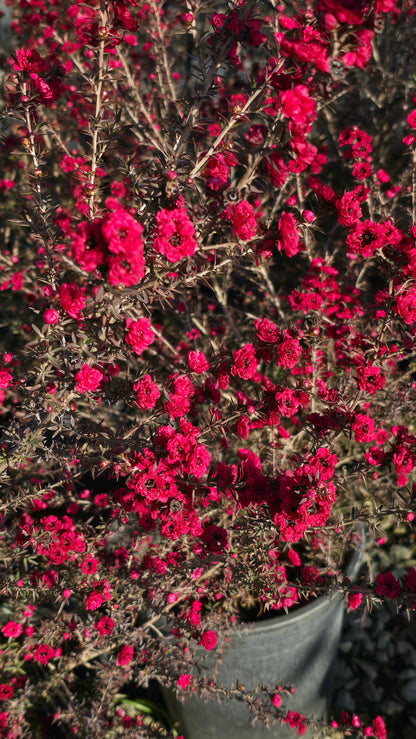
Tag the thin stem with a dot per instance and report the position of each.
(94, 143)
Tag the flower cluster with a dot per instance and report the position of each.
(112, 242)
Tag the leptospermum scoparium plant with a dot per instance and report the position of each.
(208, 319)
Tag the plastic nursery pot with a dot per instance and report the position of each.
(298, 648)
(5, 32)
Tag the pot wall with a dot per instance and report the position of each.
(5, 33)
(299, 648)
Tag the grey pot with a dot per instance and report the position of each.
(5, 31)
(299, 649)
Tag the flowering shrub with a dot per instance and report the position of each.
(208, 271)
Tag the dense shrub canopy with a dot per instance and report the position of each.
(208, 275)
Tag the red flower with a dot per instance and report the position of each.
(104, 626)
(267, 331)
(406, 305)
(198, 461)
(276, 168)
(125, 656)
(245, 362)
(310, 50)
(411, 119)
(175, 234)
(217, 169)
(5, 378)
(349, 209)
(6, 692)
(208, 640)
(387, 585)
(299, 107)
(370, 379)
(363, 427)
(243, 221)
(93, 601)
(288, 353)
(71, 298)
(379, 728)
(288, 235)
(139, 335)
(198, 362)
(87, 245)
(183, 681)
(287, 402)
(88, 379)
(147, 392)
(43, 653)
(243, 427)
(215, 538)
(12, 629)
(341, 11)
(354, 600)
(295, 720)
(177, 405)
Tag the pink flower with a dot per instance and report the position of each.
(245, 362)
(411, 119)
(370, 379)
(354, 600)
(104, 626)
(406, 306)
(50, 316)
(12, 629)
(175, 234)
(88, 247)
(288, 353)
(122, 233)
(183, 681)
(139, 334)
(125, 656)
(125, 261)
(363, 427)
(5, 378)
(93, 601)
(299, 107)
(6, 692)
(349, 209)
(71, 298)
(88, 379)
(208, 640)
(147, 393)
(198, 362)
(276, 701)
(267, 331)
(288, 235)
(198, 461)
(287, 402)
(243, 221)
(379, 728)
(43, 653)
(89, 565)
(243, 427)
